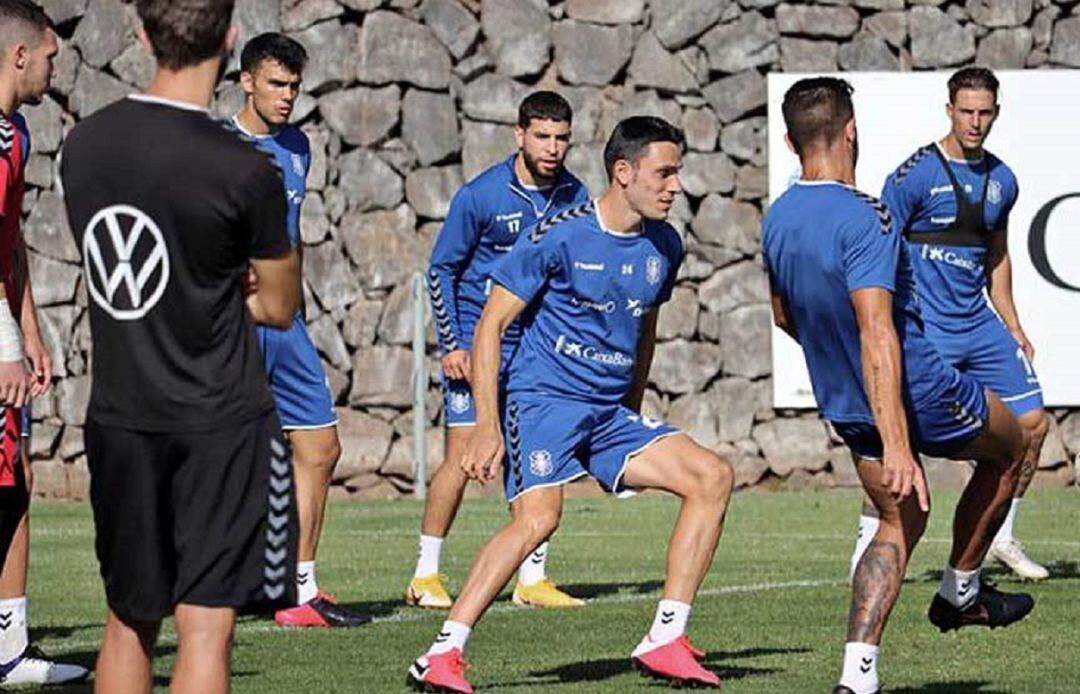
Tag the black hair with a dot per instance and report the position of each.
(544, 105)
(817, 109)
(185, 32)
(632, 136)
(972, 78)
(276, 47)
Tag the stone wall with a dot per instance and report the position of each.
(406, 99)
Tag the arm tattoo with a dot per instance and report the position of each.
(874, 590)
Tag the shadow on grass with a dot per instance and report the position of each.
(87, 660)
(595, 590)
(1057, 569)
(950, 688)
(61, 632)
(607, 668)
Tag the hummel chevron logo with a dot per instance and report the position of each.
(277, 539)
(278, 521)
(443, 635)
(274, 575)
(275, 557)
(5, 620)
(866, 665)
(421, 669)
(274, 592)
(965, 586)
(279, 484)
(302, 579)
(667, 617)
(279, 503)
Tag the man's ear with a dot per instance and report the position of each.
(849, 130)
(790, 144)
(144, 41)
(623, 172)
(519, 137)
(20, 55)
(247, 82)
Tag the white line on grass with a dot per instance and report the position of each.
(413, 614)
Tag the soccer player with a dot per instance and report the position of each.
(27, 48)
(486, 217)
(951, 199)
(190, 479)
(842, 286)
(271, 68)
(591, 279)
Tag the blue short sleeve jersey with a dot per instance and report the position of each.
(588, 291)
(291, 151)
(20, 124)
(823, 241)
(486, 217)
(921, 199)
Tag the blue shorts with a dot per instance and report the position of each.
(299, 385)
(551, 441)
(990, 355)
(460, 410)
(940, 427)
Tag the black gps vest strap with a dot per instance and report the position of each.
(969, 227)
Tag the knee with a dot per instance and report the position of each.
(538, 524)
(1036, 425)
(322, 457)
(711, 477)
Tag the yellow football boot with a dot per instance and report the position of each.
(428, 592)
(544, 594)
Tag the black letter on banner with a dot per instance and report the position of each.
(1037, 243)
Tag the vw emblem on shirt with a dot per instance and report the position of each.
(652, 269)
(126, 261)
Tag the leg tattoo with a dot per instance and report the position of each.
(875, 587)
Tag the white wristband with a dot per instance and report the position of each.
(11, 341)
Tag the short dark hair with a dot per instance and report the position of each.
(273, 46)
(185, 32)
(544, 105)
(972, 78)
(633, 135)
(817, 109)
(16, 16)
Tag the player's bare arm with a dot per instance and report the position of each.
(276, 293)
(781, 316)
(881, 365)
(483, 457)
(643, 361)
(999, 287)
(34, 346)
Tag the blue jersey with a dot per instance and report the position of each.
(588, 291)
(291, 151)
(485, 219)
(20, 124)
(823, 241)
(951, 278)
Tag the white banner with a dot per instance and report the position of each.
(1036, 136)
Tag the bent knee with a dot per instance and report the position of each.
(710, 475)
(538, 524)
(1036, 425)
(325, 456)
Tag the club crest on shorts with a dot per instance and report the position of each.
(459, 402)
(540, 463)
(993, 192)
(652, 269)
(126, 261)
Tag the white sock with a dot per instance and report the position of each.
(534, 568)
(452, 635)
(669, 622)
(868, 526)
(860, 667)
(428, 562)
(1005, 532)
(959, 587)
(306, 587)
(14, 636)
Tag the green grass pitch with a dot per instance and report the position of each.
(771, 614)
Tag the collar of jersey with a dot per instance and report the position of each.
(953, 160)
(241, 128)
(521, 190)
(802, 182)
(617, 234)
(148, 99)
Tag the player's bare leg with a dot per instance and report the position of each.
(703, 481)
(315, 453)
(204, 649)
(1006, 549)
(440, 509)
(878, 575)
(124, 661)
(24, 664)
(962, 600)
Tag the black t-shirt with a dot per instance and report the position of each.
(168, 207)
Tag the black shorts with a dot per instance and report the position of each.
(14, 503)
(201, 518)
